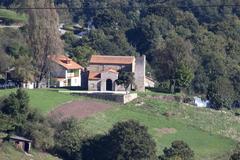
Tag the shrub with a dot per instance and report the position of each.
(40, 133)
(16, 106)
(221, 94)
(68, 137)
(178, 150)
(126, 140)
(235, 156)
(130, 140)
(236, 153)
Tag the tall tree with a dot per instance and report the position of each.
(43, 34)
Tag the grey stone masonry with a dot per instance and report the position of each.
(140, 73)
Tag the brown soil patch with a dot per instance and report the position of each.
(79, 109)
(163, 131)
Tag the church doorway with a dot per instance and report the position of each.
(109, 85)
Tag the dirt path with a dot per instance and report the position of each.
(79, 109)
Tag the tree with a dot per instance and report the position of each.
(43, 35)
(178, 150)
(130, 140)
(126, 140)
(184, 76)
(235, 156)
(6, 123)
(126, 79)
(69, 136)
(221, 93)
(173, 62)
(16, 106)
(40, 132)
(83, 54)
(23, 69)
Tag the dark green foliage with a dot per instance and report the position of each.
(83, 54)
(130, 140)
(184, 76)
(6, 123)
(236, 153)
(178, 150)
(235, 156)
(40, 132)
(68, 139)
(17, 118)
(16, 106)
(126, 79)
(221, 93)
(126, 141)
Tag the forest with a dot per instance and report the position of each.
(191, 46)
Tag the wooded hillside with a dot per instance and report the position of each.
(191, 46)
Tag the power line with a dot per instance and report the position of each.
(124, 7)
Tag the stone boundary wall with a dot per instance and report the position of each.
(120, 98)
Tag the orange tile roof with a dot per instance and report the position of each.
(97, 75)
(94, 75)
(101, 59)
(65, 62)
(111, 70)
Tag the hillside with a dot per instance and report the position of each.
(8, 152)
(211, 134)
(191, 46)
(12, 16)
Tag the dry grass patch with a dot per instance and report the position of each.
(164, 131)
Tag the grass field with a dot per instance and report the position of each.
(11, 15)
(206, 145)
(43, 99)
(211, 134)
(8, 152)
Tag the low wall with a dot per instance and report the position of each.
(120, 98)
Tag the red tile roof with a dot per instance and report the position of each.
(65, 62)
(94, 75)
(97, 75)
(101, 59)
(111, 70)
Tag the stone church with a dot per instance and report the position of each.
(104, 70)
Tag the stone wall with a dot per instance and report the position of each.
(103, 67)
(94, 85)
(120, 98)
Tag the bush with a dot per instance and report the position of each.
(16, 106)
(68, 137)
(126, 140)
(236, 153)
(178, 150)
(221, 94)
(130, 140)
(235, 156)
(40, 133)
(163, 87)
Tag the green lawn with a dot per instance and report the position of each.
(205, 144)
(11, 15)
(8, 152)
(211, 134)
(44, 100)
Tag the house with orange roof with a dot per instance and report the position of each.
(101, 74)
(65, 72)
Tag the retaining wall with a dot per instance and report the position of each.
(120, 98)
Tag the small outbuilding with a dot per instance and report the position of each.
(21, 143)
